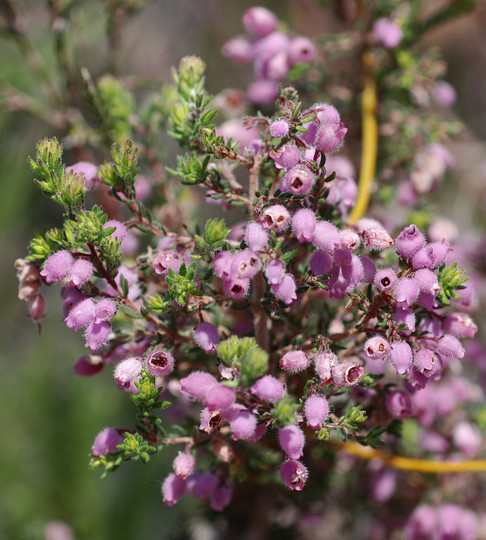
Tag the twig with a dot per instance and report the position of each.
(412, 464)
(370, 141)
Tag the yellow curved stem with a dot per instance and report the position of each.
(411, 464)
(369, 148)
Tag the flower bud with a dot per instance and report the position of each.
(173, 489)
(243, 425)
(316, 410)
(399, 404)
(126, 372)
(57, 266)
(292, 441)
(37, 307)
(279, 128)
(401, 356)
(286, 157)
(326, 236)
(256, 237)
(294, 361)
(198, 384)
(449, 345)
(268, 388)
(324, 364)
(259, 21)
(238, 49)
(206, 336)
(388, 32)
(219, 397)
(106, 441)
(184, 464)
(286, 289)
(330, 137)
(301, 49)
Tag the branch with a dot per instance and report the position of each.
(370, 141)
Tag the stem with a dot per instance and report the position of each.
(412, 464)
(370, 141)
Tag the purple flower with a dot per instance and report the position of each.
(220, 498)
(262, 92)
(81, 314)
(276, 218)
(292, 441)
(268, 388)
(460, 325)
(406, 292)
(275, 271)
(222, 264)
(202, 484)
(326, 236)
(346, 374)
(219, 397)
(173, 489)
(407, 317)
(80, 272)
(88, 365)
(401, 356)
(104, 310)
(244, 265)
(299, 180)
(198, 384)
(385, 279)
(57, 266)
(97, 334)
(184, 464)
(259, 21)
(127, 372)
(301, 49)
(238, 49)
(293, 474)
(349, 239)
(320, 263)
(256, 237)
(316, 410)
(388, 32)
(422, 523)
(37, 307)
(467, 438)
(167, 260)
(237, 288)
(286, 157)
(206, 337)
(399, 404)
(243, 425)
(294, 361)
(324, 364)
(286, 289)
(160, 362)
(425, 362)
(279, 128)
(377, 348)
(107, 441)
(449, 345)
(330, 137)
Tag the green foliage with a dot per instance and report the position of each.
(121, 174)
(191, 170)
(244, 354)
(284, 411)
(65, 189)
(450, 279)
(253, 365)
(181, 287)
(116, 107)
(215, 234)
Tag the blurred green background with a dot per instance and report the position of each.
(49, 416)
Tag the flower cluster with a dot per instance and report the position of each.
(301, 327)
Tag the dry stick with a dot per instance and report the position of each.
(412, 464)
(370, 141)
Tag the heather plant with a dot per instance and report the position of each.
(310, 324)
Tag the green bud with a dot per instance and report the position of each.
(228, 351)
(253, 365)
(284, 411)
(215, 232)
(191, 71)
